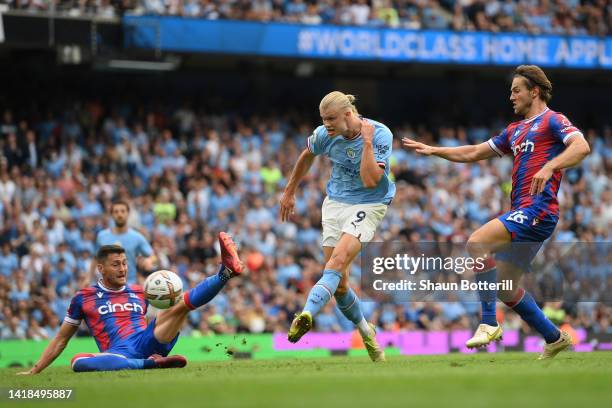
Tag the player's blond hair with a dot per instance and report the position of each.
(338, 100)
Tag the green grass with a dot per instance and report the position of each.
(481, 380)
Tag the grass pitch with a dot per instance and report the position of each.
(478, 380)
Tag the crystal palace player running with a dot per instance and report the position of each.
(115, 315)
(358, 193)
(543, 143)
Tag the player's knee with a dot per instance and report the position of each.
(474, 240)
(81, 362)
(476, 246)
(165, 333)
(337, 261)
(83, 366)
(80, 356)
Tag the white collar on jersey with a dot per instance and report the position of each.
(536, 116)
(104, 288)
(352, 138)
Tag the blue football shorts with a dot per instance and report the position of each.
(529, 230)
(143, 344)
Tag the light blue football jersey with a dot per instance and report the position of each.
(345, 183)
(134, 243)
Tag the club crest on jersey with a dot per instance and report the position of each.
(350, 152)
(565, 121)
(109, 307)
(524, 147)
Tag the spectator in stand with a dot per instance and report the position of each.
(562, 17)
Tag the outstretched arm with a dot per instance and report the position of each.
(461, 154)
(54, 349)
(302, 166)
(577, 149)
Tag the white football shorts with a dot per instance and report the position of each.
(359, 220)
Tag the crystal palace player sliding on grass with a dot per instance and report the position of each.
(358, 193)
(115, 315)
(543, 143)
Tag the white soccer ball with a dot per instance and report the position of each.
(163, 289)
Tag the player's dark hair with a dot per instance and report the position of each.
(120, 202)
(534, 76)
(106, 250)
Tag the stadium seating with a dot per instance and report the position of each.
(59, 173)
(564, 17)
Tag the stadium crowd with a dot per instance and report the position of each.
(188, 175)
(565, 17)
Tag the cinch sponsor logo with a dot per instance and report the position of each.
(523, 147)
(120, 307)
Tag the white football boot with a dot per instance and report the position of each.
(552, 349)
(484, 335)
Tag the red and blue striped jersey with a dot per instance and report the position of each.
(534, 142)
(111, 315)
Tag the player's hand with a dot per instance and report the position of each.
(148, 264)
(538, 182)
(418, 147)
(367, 131)
(287, 205)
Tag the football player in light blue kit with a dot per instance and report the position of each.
(358, 193)
(134, 243)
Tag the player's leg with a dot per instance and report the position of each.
(230, 266)
(84, 362)
(489, 238)
(525, 306)
(169, 322)
(330, 212)
(347, 300)
(529, 232)
(344, 252)
(360, 221)
(350, 306)
(336, 269)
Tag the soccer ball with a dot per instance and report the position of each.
(163, 289)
